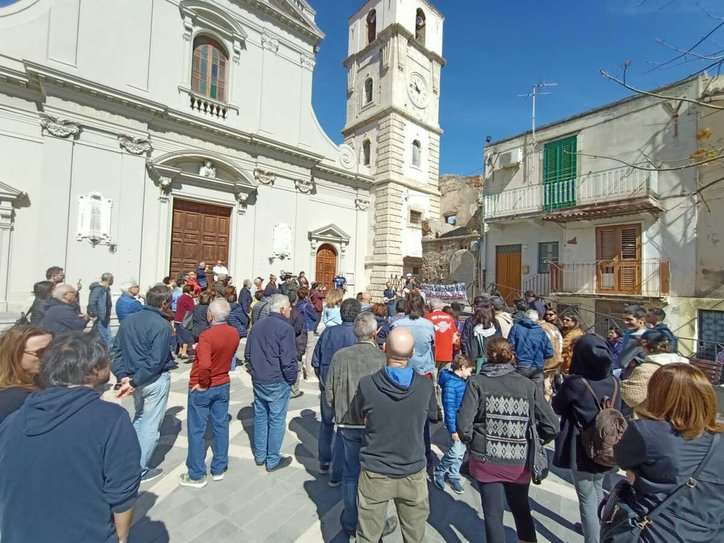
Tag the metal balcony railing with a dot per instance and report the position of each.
(619, 184)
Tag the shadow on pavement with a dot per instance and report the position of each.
(145, 530)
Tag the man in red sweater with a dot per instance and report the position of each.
(445, 331)
(209, 396)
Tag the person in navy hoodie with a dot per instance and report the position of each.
(453, 382)
(80, 450)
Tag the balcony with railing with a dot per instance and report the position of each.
(649, 278)
(619, 191)
(208, 107)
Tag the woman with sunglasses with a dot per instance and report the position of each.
(21, 348)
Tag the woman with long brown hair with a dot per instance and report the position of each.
(21, 348)
(663, 450)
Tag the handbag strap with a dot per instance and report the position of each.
(646, 520)
(590, 389)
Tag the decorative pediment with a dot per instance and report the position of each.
(329, 234)
(202, 168)
(211, 16)
(10, 199)
(298, 12)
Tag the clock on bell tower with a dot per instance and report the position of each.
(393, 67)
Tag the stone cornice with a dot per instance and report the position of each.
(384, 112)
(304, 26)
(395, 29)
(409, 185)
(41, 76)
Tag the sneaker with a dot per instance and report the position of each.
(217, 476)
(390, 526)
(297, 394)
(457, 487)
(186, 480)
(334, 484)
(285, 462)
(438, 480)
(324, 469)
(151, 474)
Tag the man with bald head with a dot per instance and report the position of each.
(394, 403)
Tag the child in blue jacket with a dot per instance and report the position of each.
(453, 382)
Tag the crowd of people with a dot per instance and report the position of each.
(502, 382)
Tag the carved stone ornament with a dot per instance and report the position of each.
(362, 204)
(208, 170)
(60, 128)
(305, 186)
(165, 184)
(347, 157)
(135, 145)
(242, 198)
(267, 42)
(307, 61)
(264, 177)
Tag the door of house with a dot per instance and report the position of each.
(326, 266)
(559, 173)
(508, 271)
(618, 259)
(200, 232)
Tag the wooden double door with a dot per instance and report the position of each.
(200, 232)
(326, 266)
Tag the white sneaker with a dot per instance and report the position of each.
(218, 477)
(185, 480)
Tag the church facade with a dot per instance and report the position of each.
(184, 131)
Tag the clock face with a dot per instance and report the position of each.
(417, 90)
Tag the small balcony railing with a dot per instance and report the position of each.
(208, 106)
(618, 185)
(650, 278)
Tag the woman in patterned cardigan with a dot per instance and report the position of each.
(493, 421)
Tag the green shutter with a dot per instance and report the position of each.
(559, 173)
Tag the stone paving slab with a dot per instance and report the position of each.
(297, 505)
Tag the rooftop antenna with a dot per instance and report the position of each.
(536, 91)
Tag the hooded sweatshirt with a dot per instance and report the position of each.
(634, 388)
(72, 458)
(592, 362)
(395, 418)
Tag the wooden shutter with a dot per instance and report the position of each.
(559, 173)
(618, 256)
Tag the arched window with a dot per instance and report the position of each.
(371, 26)
(208, 76)
(420, 23)
(366, 152)
(416, 153)
(369, 90)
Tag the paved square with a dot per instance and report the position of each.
(297, 505)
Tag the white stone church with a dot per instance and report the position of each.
(143, 136)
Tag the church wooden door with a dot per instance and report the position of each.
(326, 267)
(200, 232)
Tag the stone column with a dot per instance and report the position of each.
(7, 216)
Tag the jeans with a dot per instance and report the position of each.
(589, 487)
(534, 374)
(215, 402)
(451, 461)
(270, 421)
(104, 332)
(517, 498)
(351, 439)
(150, 402)
(330, 448)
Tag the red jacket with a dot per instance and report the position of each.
(184, 304)
(214, 353)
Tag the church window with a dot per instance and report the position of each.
(371, 26)
(208, 75)
(416, 153)
(369, 88)
(420, 24)
(366, 152)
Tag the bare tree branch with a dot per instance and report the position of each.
(687, 53)
(615, 79)
(654, 169)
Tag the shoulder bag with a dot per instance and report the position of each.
(620, 523)
(537, 462)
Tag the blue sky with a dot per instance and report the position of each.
(497, 49)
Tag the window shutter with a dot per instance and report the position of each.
(630, 242)
(196, 70)
(607, 247)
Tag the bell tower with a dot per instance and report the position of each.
(393, 97)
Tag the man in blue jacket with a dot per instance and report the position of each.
(271, 354)
(61, 311)
(332, 340)
(141, 362)
(532, 347)
(99, 307)
(69, 454)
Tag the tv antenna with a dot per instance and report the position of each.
(537, 90)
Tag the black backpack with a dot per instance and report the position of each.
(606, 430)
